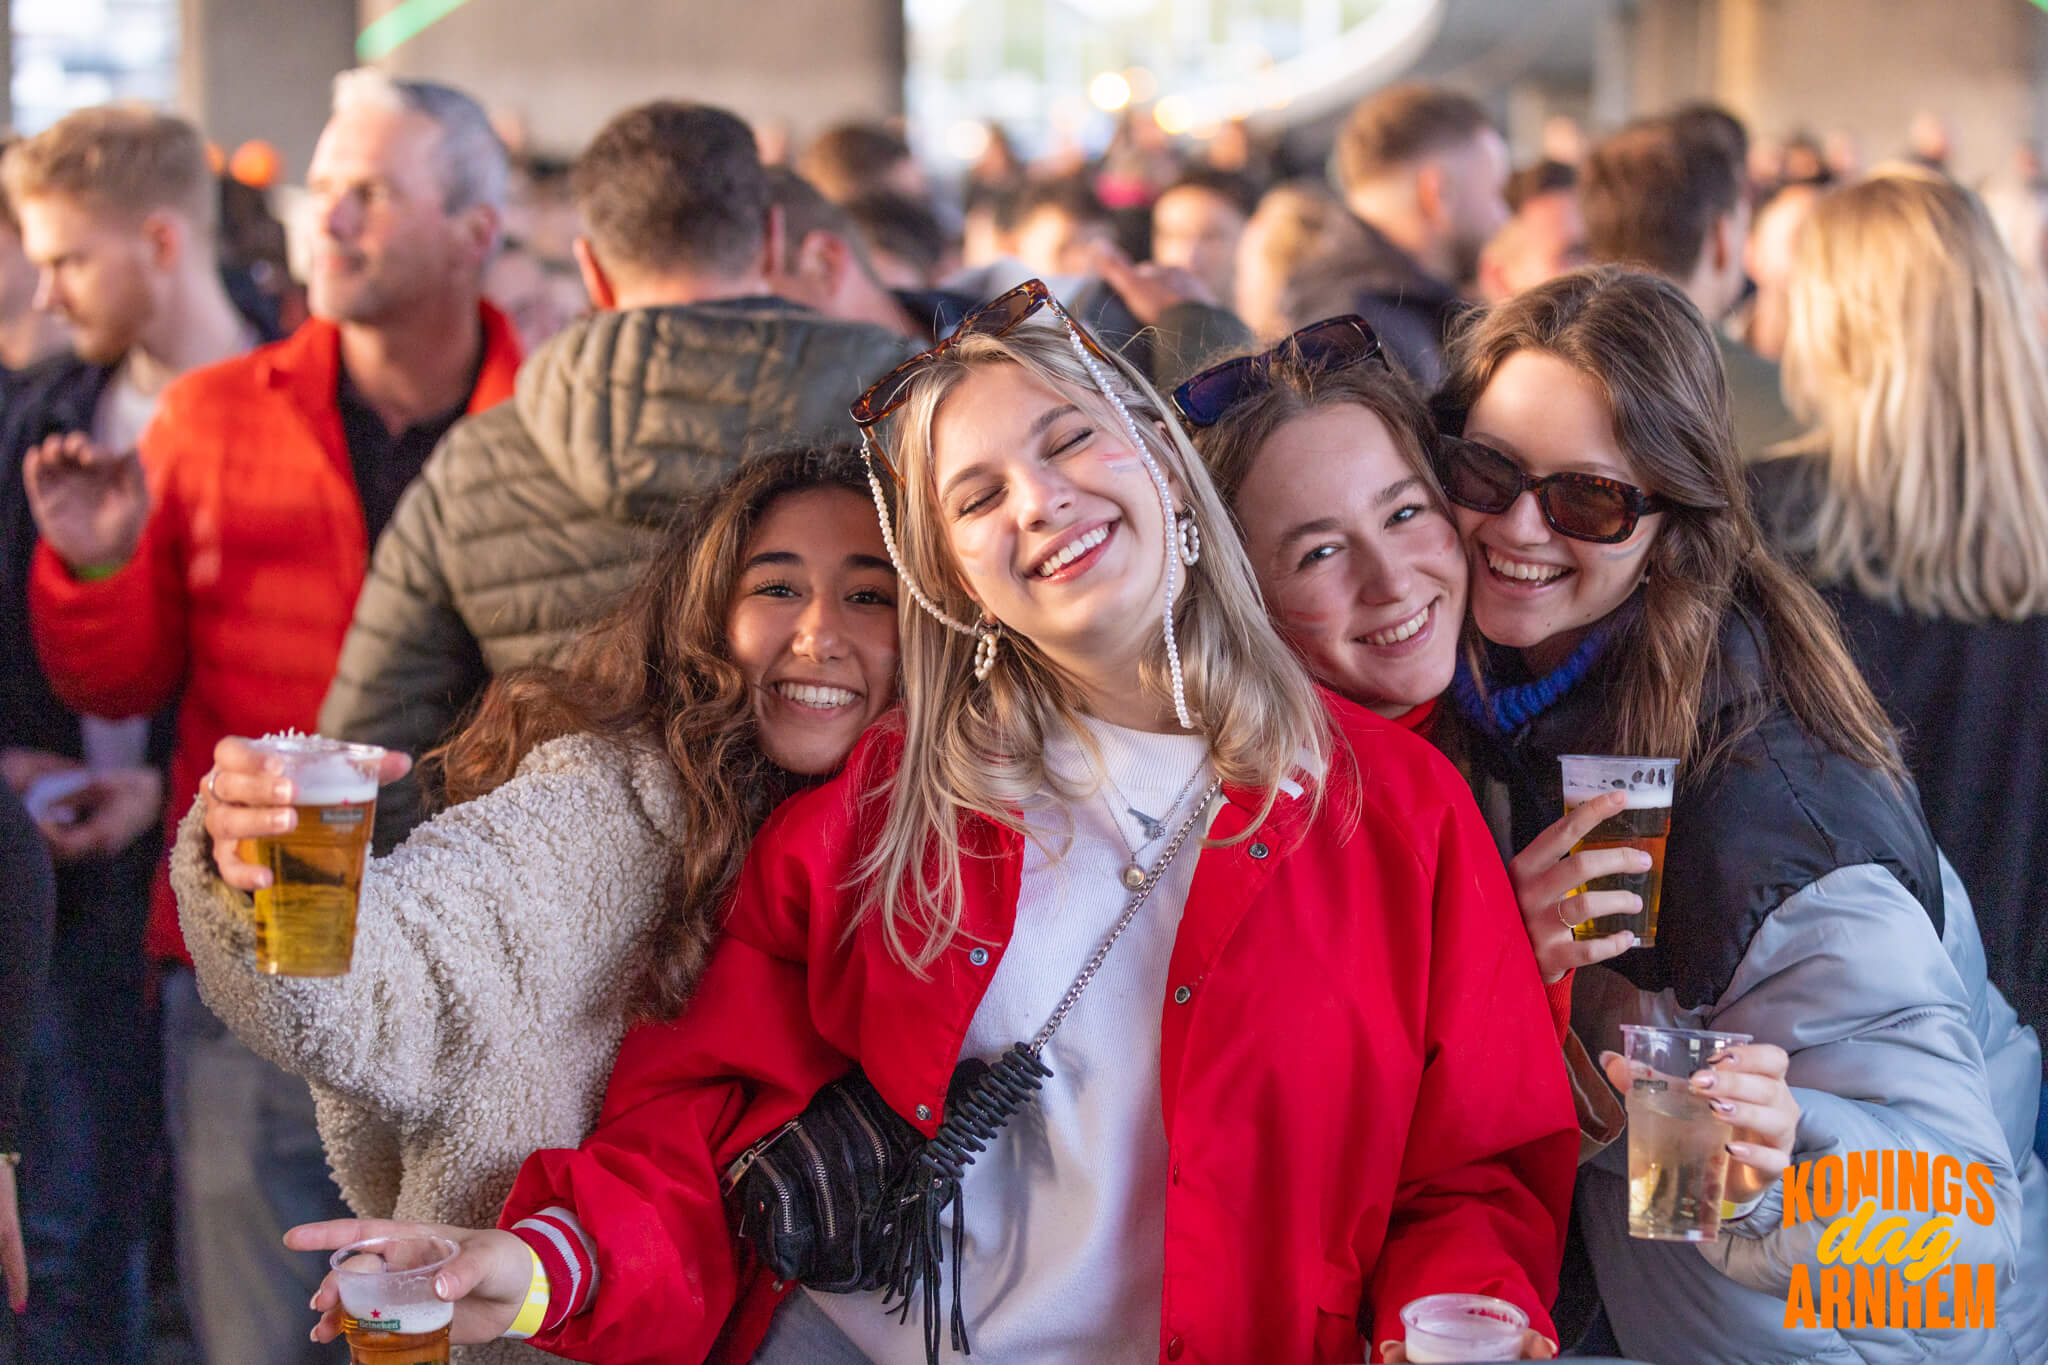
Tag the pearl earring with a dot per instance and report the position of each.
(985, 653)
(1189, 534)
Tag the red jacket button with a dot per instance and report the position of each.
(1173, 1349)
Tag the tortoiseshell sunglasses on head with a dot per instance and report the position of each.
(998, 317)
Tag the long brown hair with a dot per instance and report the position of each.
(657, 670)
(1643, 343)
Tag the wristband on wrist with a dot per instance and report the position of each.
(535, 1310)
(94, 573)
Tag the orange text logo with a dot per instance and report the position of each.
(1877, 1268)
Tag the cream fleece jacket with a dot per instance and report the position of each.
(497, 952)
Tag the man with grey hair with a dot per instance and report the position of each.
(220, 564)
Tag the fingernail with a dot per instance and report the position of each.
(1631, 938)
(314, 1302)
(1721, 1106)
(441, 1286)
(1722, 1059)
(1643, 861)
(273, 766)
(1703, 1080)
(1606, 1057)
(281, 792)
(281, 819)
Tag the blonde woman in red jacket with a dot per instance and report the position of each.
(1313, 1078)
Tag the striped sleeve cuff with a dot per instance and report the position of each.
(569, 1258)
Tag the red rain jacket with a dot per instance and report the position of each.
(1363, 1096)
(245, 579)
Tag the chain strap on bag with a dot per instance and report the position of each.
(846, 1197)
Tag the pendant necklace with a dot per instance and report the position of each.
(1133, 873)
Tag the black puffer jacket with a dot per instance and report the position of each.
(531, 518)
(1966, 696)
(1414, 312)
(1777, 815)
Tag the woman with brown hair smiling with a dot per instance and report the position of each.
(1629, 605)
(601, 811)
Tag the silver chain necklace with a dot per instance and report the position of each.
(1132, 874)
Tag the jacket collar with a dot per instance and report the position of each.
(307, 364)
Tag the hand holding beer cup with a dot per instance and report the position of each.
(248, 796)
(485, 1281)
(1547, 872)
(311, 854)
(1746, 1089)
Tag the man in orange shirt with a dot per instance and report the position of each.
(221, 566)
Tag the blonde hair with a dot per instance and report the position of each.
(1914, 354)
(117, 158)
(977, 748)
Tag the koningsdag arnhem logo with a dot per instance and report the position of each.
(1877, 1269)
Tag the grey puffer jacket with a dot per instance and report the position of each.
(1805, 904)
(495, 960)
(531, 518)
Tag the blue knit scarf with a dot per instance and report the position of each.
(1503, 711)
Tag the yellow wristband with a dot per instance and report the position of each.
(535, 1310)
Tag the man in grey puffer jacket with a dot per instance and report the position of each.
(531, 518)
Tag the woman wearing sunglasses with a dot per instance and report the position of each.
(1294, 1070)
(1629, 606)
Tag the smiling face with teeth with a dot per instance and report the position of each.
(1055, 523)
(1359, 560)
(813, 626)
(1533, 589)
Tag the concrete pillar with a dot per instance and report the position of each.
(257, 68)
(564, 68)
(1819, 65)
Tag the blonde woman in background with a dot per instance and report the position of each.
(1919, 504)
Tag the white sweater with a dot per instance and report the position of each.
(496, 955)
(1066, 1237)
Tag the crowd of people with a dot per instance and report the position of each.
(852, 613)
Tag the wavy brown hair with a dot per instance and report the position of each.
(1643, 343)
(657, 670)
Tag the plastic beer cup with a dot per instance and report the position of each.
(306, 917)
(390, 1312)
(1644, 823)
(1462, 1327)
(1677, 1145)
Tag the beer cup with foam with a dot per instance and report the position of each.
(390, 1312)
(306, 917)
(1644, 823)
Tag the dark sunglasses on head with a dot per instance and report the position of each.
(1000, 316)
(1331, 344)
(1583, 506)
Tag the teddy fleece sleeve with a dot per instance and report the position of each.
(503, 918)
(1486, 1180)
(643, 1192)
(116, 646)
